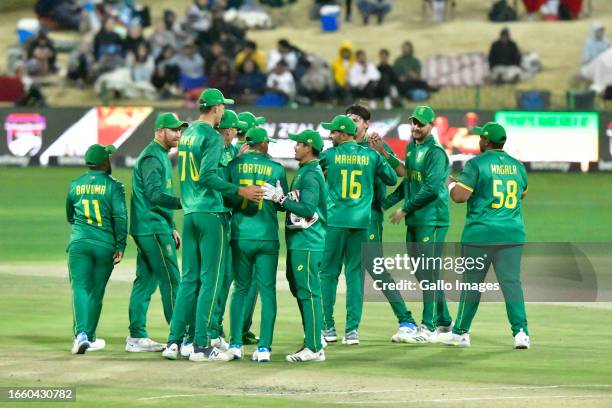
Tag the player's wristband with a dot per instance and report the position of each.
(393, 161)
(451, 186)
(282, 200)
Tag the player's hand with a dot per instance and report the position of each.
(251, 193)
(376, 143)
(242, 149)
(117, 257)
(397, 216)
(273, 193)
(177, 239)
(449, 180)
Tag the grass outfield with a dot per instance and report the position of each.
(568, 364)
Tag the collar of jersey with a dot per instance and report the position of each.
(347, 141)
(160, 145)
(309, 162)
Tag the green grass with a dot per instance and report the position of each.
(559, 208)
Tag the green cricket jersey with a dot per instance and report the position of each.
(424, 191)
(255, 221)
(497, 182)
(153, 202)
(351, 172)
(380, 189)
(309, 181)
(201, 166)
(230, 151)
(95, 206)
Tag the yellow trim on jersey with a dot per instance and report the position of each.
(468, 188)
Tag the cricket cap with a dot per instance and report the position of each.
(212, 97)
(169, 120)
(251, 120)
(494, 132)
(341, 123)
(423, 114)
(97, 154)
(230, 120)
(257, 135)
(309, 137)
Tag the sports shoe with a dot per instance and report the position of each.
(235, 351)
(186, 349)
(97, 345)
(424, 335)
(249, 338)
(521, 340)
(171, 351)
(220, 343)
(330, 335)
(306, 354)
(452, 339)
(141, 345)
(209, 353)
(351, 338)
(81, 344)
(261, 355)
(405, 333)
(323, 342)
(445, 329)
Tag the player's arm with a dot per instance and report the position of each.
(309, 199)
(284, 186)
(384, 171)
(523, 172)
(153, 178)
(395, 197)
(396, 164)
(120, 220)
(461, 190)
(435, 172)
(69, 207)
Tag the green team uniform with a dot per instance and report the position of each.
(205, 230)
(95, 206)
(351, 171)
(426, 205)
(151, 226)
(375, 234)
(255, 244)
(494, 229)
(305, 248)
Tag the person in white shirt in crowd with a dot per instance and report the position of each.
(284, 51)
(595, 44)
(281, 81)
(363, 78)
(190, 61)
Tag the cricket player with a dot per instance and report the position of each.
(493, 184)
(152, 227)
(407, 326)
(305, 230)
(95, 206)
(205, 230)
(425, 212)
(255, 243)
(351, 173)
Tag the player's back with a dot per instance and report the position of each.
(494, 209)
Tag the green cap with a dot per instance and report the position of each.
(341, 123)
(97, 154)
(213, 97)
(423, 114)
(494, 132)
(251, 120)
(169, 120)
(310, 137)
(230, 120)
(257, 135)
(476, 130)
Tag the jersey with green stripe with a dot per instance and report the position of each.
(95, 206)
(380, 189)
(201, 164)
(310, 183)
(230, 151)
(497, 181)
(255, 221)
(153, 202)
(425, 193)
(351, 171)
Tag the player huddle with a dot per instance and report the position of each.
(230, 195)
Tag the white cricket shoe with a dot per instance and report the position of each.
(209, 353)
(351, 338)
(97, 345)
(186, 349)
(306, 354)
(452, 339)
(404, 333)
(142, 345)
(445, 329)
(521, 340)
(330, 335)
(220, 343)
(323, 342)
(171, 351)
(261, 355)
(235, 352)
(424, 335)
(80, 344)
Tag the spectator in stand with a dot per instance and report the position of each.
(192, 67)
(280, 82)
(222, 77)
(316, 84)
(167, 73)
(595, 44)
(407, 68)
(363, 78)
(64, 14)
(41, 56)
(284, 51)
(134, 39)
(379, 8)
(80, 64)
(198, 19)
(387, 86)
(107, 41)
(341, 66)
(212, 54)
(172, 25)
(141, 64)
(161, 38)
(505, 59)
(250, 51)
(251, 82)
